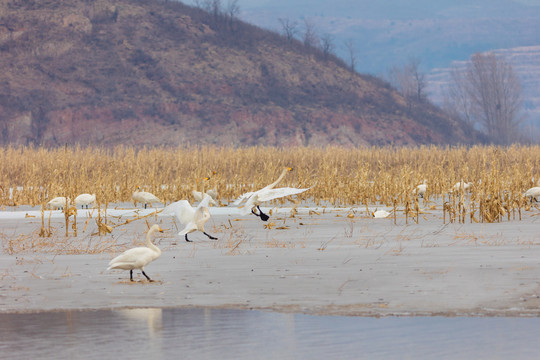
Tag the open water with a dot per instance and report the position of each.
(243, 334)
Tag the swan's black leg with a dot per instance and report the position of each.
(262, 215)
(210, 236)
(131, 275)
(188, 239)
(146, 276)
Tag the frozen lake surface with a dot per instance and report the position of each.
(318, 261)
(243, 334)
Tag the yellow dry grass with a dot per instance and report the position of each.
(339, 176)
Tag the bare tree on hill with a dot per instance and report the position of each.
(289, 28)
(327, 45)
(351, 51)
(488, 92)
(409, 81)
(310, 37)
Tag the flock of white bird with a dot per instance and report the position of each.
(532, 194)
(194, 218)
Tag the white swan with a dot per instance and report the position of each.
(193, 218)
(139, 257)
(85, 200)
(144, 197)
(533, 193)
(461, 185)
(251, 200)
(59, 202)
(199, 195)
(379, 214)
(421, 189)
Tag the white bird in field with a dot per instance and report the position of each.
(193, 218)
(199, 195)
(59, 202)
(421, 189)
(533, 193)
(139, 257)
(461, 185)
(378, 214)
(251, 200)
(85, 200)
(144, 197)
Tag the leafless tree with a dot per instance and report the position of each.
(327, 45)
(290, 28)
(409, 81)
(232, 10)
(310, 37)
(456, 101)
(351, 51)
(211, 6)
(203, 4)
(489, 92)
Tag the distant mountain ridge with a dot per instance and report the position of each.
(388, 32)
(160, 73)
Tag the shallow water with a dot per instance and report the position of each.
(238, 334)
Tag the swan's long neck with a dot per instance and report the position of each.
(271, 186)
(149, 243)
(203, 184)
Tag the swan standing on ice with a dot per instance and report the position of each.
(139, 257)
(59, 202)
(144, 197)
(251, 200)
(193, 218)
(533, 193)
(199, 195)
(85, 200)
(421, 189)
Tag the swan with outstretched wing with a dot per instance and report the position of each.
(193, 218)
(249, 201)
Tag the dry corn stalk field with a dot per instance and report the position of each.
(365, 265)
(338, 176)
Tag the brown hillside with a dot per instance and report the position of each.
(161, 73)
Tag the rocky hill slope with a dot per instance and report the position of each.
(155, 72)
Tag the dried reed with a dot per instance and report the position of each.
(339, 176)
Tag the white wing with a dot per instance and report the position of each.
(190, 227)
(197, 217)
(278, 193)
(205, 201)
(243, 198)
(182, 209)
